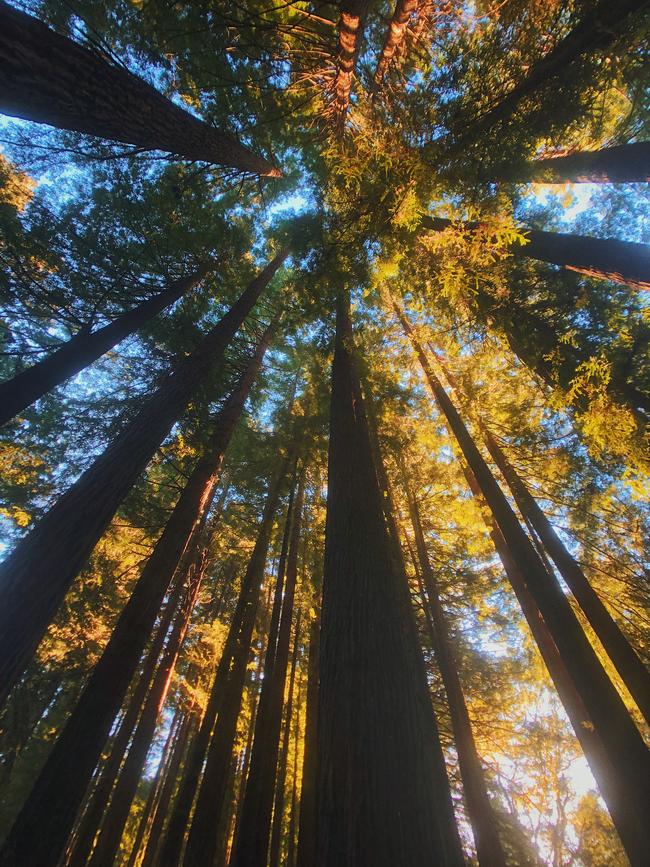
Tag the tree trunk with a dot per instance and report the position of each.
(632, 671)
(351, 25)
(605, 259)
(281, 778)
(621, 164)
(202, 839)
(483, 821)
(383, 794)
(306, 856)
(117, 814)
(627, 789)
(48, 78)
(395, 36)
(22, 390)
(66, 774)
(36, 577)
(253, 839)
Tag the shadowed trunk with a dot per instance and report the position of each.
(254, 832)
(621, 164)
(395, 36)
(307, 828)
(383, 794)
(624, 262)
(626, 785)
(66, 774)
(49, 78)
(22, 390)
(36, 576)
(351, 24)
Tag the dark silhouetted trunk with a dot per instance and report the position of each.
(253, 839)
(307, 828)
(36, 576)
(49, 78)
(395, 36)
(626, 788)
(632, 671)
(25, 388)
(351, 25)
(606, 259)
(66, 774)
(383, 794)
(621, 164)
(483, 821)
(202, 839)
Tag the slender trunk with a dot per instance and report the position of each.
(632, 671)
(621, 164)
(395, 36)
(162, 807)
(293, 819)
(202, 839)
(351, 25)
(253, 839)
(25, 388)
(66, 774)
(383, 794)
(37, 575)
(48, 78)
(117, 814)
(483, 821)
(627, 788)
(306, 856)
(624, 262)
(83, 840)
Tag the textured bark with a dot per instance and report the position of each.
(307, 828)
(395, 36)
(627, 782)
(254, 832)
(48, 78)
(621, 164)
(67, 772)
(632, 671)
(36, 576)
(281, 777)
(351, 25)
(383, 794)
(596, 32)
(25, 388)
(483, 821)
(624, 262)
(202, 839)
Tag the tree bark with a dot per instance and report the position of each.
(36, 576)
(627, 787)
(395, 36)
(254, 833)
(623, 262)
(482, 819)
(22, 390)
(48, 78)
(383, 794)
(306, 855)
(66, 774)
(202, 839)
(351, 24)
(620, 164)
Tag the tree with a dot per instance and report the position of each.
(619, 164)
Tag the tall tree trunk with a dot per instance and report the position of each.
(293, 814)
(606, 259)
(395, 36)
(36, 576)
(621, 164)
(253, 840)
(25, 388)
(49, 78)
(483, 821)
(66, 774)
(351, 24)
(627, 789)
(632, 671)
(117, 814)
(202, 839)
(306, 855)
(383, 794)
